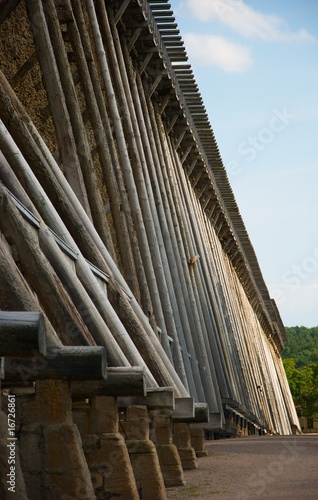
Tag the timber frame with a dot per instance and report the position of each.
(131, 299)
(161, 57)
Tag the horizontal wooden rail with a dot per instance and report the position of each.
(22, 333)
(70, 363)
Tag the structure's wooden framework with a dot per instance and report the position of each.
(118, 223)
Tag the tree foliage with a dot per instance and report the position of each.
(301, 345)
(300, 358)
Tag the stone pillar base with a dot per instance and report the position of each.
(145, 464)
(105, 449)
(168, 455)
(19, 490)
(182, 440)
(110, 467)
(188, 458)
(197, 441)
(170, 465)
(53, 462)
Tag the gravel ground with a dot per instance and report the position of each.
(262, 468)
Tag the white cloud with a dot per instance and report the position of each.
(246, 21)
(212, 50)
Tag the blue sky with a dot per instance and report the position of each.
(256, 64)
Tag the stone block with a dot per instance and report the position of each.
(147, 472)
(162, 429)
(181, 435)
(170, 465)
(197, 441)
(136, 411)
(32, 462)
(104, 414)
(112, 469)
(136, 428)
(188, 458)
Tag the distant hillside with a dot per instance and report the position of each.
(302, 345)
(300, 358)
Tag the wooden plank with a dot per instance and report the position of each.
(184, 409)
(156, 398)
(22, 333)
(1, 368)
(121, 381)
(66, 363)
(201, 414)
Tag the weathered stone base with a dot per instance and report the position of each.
(145, 464)
(182, 440)
(110, 467)
(188, 458)
(56, 467)
(170, 465)
(168, 455)
(19, 484)
(197, 441)
(105, 449)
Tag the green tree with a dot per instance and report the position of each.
(303, 383)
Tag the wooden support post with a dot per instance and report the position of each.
(140, 205)
(78, 127)
(58, 107)
(22, 333)
(104, 143)
(15, 295)
(41, 276)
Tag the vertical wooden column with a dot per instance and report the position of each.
(143, 454)
(105, 449)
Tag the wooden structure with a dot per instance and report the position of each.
(119, 229)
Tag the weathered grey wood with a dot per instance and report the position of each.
(38, 193)
(121, 381)
(41, 275)
(58, 106)
(142, 134)
(193, 232)
(156, 398)
(78, 127)
(184, 408)
(16, 295)
(201, 414)
(144, 228)
(22, 333)
(66, 363)
(1, 368)
(102, 133)
(120, 196)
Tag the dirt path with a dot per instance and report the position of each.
(260, 468)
